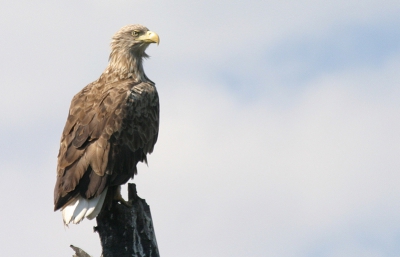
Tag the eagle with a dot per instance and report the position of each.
(112, 125)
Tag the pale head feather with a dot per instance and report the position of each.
(126, 57)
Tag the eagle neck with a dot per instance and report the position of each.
(126, 64)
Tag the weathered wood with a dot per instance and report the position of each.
(127, 232)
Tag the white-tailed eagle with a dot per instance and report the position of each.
(112, 125)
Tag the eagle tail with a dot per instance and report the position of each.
(77, 210)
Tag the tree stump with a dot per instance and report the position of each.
(125, 232)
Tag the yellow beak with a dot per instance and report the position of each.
(150, 37)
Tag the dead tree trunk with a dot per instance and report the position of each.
(127, 232)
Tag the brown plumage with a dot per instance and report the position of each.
(112, 124)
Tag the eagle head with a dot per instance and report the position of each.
(128, 47)
(133, 39)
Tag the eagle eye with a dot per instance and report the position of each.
(135, 33)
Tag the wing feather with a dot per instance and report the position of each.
(110, 127)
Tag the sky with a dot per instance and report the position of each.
(279, 131)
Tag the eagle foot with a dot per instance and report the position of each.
(127, 204)
(118, 197)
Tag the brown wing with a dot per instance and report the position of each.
(110, 128)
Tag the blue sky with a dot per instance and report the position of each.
(279, 124)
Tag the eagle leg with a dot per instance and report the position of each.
(118, 197)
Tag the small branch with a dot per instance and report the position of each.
(79, 252)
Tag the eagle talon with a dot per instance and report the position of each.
(118, 197)
(127, 204)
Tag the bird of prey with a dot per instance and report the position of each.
(112, 125)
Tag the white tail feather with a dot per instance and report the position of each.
(77, 210)
(92, 206)
(92, 213)
(68, 211)
(80, 210)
